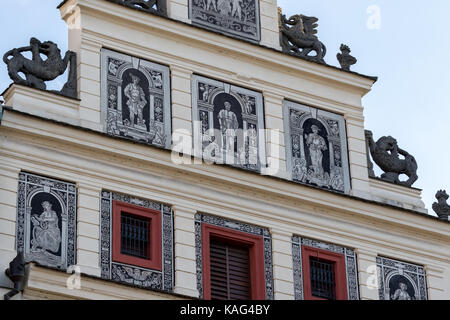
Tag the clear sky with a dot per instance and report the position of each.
(403, 42)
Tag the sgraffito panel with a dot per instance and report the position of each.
(398, 280)
(46, 221)
(135, 96)
(239, 18)
(316, 147)
(228, 124)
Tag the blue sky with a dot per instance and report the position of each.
(408, 52)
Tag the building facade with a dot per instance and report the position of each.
(205, 154)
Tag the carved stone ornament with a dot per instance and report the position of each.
(386, 154)
(129, 274)
(150, 6)
(441, 207)
(316, 147)
(228, 124)
(38, 70)
(46, 221)
(135, 98)
(298, 37)
(238, 18)
(399, 280)
(350, 265)
(345, 59)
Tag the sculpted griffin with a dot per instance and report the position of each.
(38, 70)
(385, 152)
(298, 37)
(441, 207)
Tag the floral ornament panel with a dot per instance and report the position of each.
(135, 96)
(232, 17)
(316, 147)
(228, 124)
(46, 221)
(398, 280)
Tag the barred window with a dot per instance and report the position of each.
(135, 236)
(322, 278)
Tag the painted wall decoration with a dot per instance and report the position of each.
(146, 278)
(46, 221)
(399, 280)
(233, 17)
(316, 147)
(350, 264)
(238, 226)
(135, 97)
(228, 124)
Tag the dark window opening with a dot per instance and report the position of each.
(322, 279)
(135, 236)
(230, 271)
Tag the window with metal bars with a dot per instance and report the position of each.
(322, 278)
(324, 274)
(135, 236)
(230, 271)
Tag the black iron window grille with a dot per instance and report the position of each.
(322, 279)
(135, 236)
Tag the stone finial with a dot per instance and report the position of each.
(345, 59)
(298, 37)
(37, 70)
(441, 207)
(385, 153)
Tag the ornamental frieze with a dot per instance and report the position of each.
(316, 147)
(135, 98)
(238, 18)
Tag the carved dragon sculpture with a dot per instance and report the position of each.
(298, 37)
(37, 70)
(385, 152)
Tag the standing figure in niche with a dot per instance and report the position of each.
(46, 233)
(228, 125)
(136, 100)
(316, 145)
(224, 7)
(401, 294)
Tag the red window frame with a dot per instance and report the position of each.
(256, 252)
(155, 261)
(340, 271)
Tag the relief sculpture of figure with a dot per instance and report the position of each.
(211, 3)
(237, 10)
(401, 294)
(136, 100)
(46, 233)
(228, 126)
(316, 145)
(224, 7)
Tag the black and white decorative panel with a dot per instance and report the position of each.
(135, 97)
(46, 221)
(238, 226)
(316, 147)
(228, 124)
(350, 265)
(120, 272)
(399, 280)
(233, 17)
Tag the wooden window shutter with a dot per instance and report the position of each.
(230, 271)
